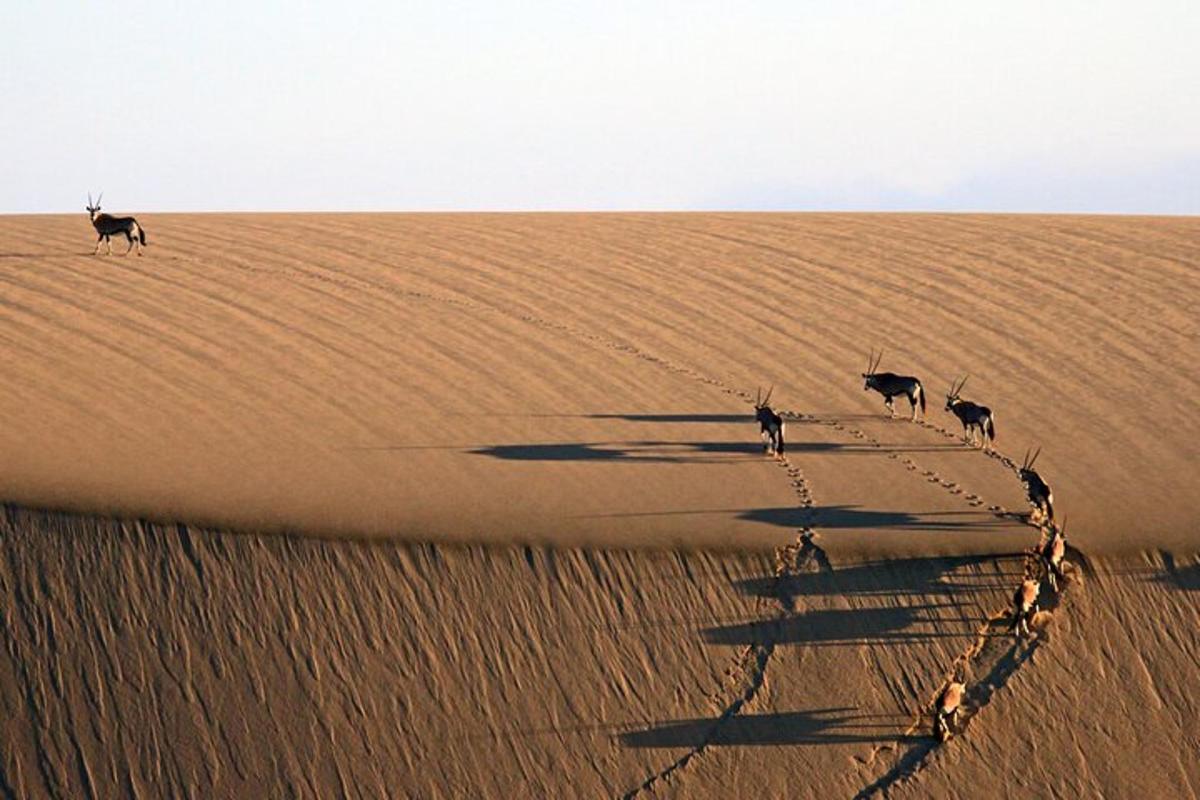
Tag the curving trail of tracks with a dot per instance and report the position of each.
(384, 321)
(985, 657)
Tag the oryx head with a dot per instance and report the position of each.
(762, 411)
(1027, 470)
(93, 208)
(1056, 548)
(872, 366)
(952, 396)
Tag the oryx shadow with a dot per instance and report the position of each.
(839, 517)
(723, 419)
(835, 517)
(1186, 578)
(937, 575)
(689, 418)
(815, 727)
(847, 627)
(653, 452)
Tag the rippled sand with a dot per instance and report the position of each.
(572, 570)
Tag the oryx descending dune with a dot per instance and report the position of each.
(1025, 606)
(1053, 552)
(891, 385)
(945, 715)
(973, 416)
(770, 424)
(106, 225)
(1040, 496)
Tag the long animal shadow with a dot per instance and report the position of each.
(849, 516)
(842, 627)
(662, 452)
(1186, 578)
(668, 418)
(816, 727)
(649, 452)
(891, 577)
(838, 517)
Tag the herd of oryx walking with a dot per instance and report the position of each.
(979, 429)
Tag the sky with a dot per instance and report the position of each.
(610, 105)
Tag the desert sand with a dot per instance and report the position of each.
(462, 505)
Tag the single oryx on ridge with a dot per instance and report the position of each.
(770, 423)
(891, 385)
(1040, 496)
(972, 416)
(107, 225)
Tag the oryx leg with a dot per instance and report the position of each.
(912, 400)
(99, 239)
(1019, 626)
(129, 243)
(891, 405)
(108, 244)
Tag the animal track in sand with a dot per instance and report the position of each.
(989, 651)
(750, 667)
(748, 671)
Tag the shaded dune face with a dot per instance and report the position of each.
(618, 593)
(157, 660)
(490, 377)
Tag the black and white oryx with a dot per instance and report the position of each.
(1040, 496)
(972, 416)
(770, 423)
(891, 385)
(107, 225)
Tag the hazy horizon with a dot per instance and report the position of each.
(1075, 107)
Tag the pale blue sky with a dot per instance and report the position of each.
(1022, 106)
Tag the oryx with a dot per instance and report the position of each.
(770, 424)
(1040, 496)
(972, 416)
(1025, 605)
(1052, 553)
(891, 385)
(945, 712)
(107, 225)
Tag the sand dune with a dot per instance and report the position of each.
(647, 603)
(484, 377)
